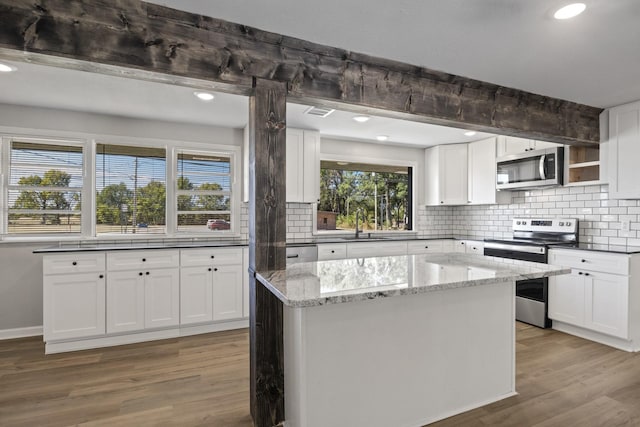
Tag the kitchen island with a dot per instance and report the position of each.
(397, 341)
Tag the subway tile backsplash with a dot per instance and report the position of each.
(601, 218)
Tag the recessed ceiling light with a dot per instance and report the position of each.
(570, 11)
(470, 133)
(382, 137)
(4, 68)
(204, 96)
(342, 163)
(361, 119)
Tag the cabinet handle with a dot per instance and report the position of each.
(426, 247)
(580, 273)
(215, 269)
(333, 252)
(101, 276)
(209, 268)
(140, 274)
(147, 273)
(583, 260)
(441, 201)
(474, 248)
(212, 256)
(74, 263)
(144, 259)
(586, 274)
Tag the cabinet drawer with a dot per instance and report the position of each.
(371, 249)
(474, 247)
(209, 256)
(425, 246)
(73, 263)
(332, 251)
(133, 260)
(592, 261)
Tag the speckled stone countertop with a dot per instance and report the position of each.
(341, 281)
(143, 245)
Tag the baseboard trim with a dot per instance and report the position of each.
(141, 336)
(619, 343)
(31, 331)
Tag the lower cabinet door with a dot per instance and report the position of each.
(162, 298)
(227, 292)
(196, 295)
(125, 301)
(607, 304)
(74, 305)
(567, 298)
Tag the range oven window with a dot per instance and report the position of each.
(531, 289)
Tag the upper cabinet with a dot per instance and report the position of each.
(482, 174)
(507, 145)
(462, 174)
(582, 165)
(303, 166)
(446, 174)
(624, 151)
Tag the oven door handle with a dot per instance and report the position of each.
(543, 175)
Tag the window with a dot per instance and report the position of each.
(130, 189)
(45, 187)
(381, 195)
(204, 192)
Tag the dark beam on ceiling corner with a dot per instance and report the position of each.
(129, 33)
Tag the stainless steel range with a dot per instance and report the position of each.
(531, 240)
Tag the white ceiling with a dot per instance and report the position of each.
(593, 59)
(59, 88)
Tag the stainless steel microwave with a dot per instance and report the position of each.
(538, 168)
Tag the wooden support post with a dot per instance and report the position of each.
(267, 247)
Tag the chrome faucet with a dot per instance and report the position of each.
(358, 223)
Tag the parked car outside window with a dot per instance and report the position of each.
(218, 224)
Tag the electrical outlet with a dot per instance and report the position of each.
(625, 226)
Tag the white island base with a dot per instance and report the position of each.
(406, 360)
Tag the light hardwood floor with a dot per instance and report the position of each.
(204, 381)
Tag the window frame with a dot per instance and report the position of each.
(372, 161)
(6, 143)
(235, 156)
(88, 143)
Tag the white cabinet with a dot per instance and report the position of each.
(607, 302)
(446, 175)
(481, 185)
(143, 290)
(508, 145)
(303, 166)
(376, 248)
(566, 298)
(591, 296)
(328, 251)
(474, 247)
(624, 151)
(428, 246)
(196, 295)
(73, 296)
(211, 285)
(462, 174)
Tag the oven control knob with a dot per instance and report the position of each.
(561, 224)
(524, 222)
(518, 222)
(568, 224)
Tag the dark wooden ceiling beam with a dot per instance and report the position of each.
(129, 33)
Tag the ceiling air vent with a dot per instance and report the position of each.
(319, 111)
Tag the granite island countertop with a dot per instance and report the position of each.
(342, 281)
